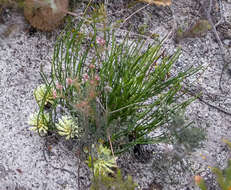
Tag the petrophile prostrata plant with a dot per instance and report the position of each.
(114, 92)
(117, 92)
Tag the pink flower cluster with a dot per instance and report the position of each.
(91, 66)
(54, 94)
(59, 86)
(97, 77)
(69, 81)
(100, 41)
(85, 77)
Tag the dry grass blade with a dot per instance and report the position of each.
(158, 2)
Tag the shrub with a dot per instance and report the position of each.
(114, 93)
(119, 92)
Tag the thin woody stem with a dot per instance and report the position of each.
(109, 138)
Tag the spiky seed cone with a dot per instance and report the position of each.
(40, 14)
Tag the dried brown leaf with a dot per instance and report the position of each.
(19, 170)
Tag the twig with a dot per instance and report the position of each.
(192, 93)
(222, 49)
(97, 99)
(215, 107)
(135, 34)
(109, 138)
(125, 20)
(76, 15)
(214, 29)
(72, 14)
(85, 11)
(222, 18)
(146, 36)
(167, 36)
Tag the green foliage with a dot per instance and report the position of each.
(201, 184)
(223, 176)
(200, 28)
(103, 165)
(67, 127)
(101, 161)
(12, 3)
(185, 133)
(197, 30)
(105, 182)
(42, 93)
(227, 142)
(39, 122)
